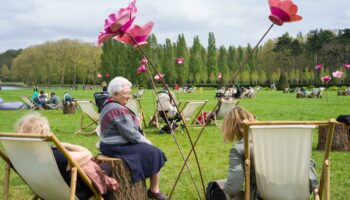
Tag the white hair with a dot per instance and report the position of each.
(117, 84)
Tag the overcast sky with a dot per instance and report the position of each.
(234, 22)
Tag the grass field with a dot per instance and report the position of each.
(212, 152)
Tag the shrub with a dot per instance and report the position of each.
(282, 82)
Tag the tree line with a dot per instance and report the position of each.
(73, 61)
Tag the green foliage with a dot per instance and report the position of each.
(212, 152)
(282, 82)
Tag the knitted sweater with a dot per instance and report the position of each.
(120, 126)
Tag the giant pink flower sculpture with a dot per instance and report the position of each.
(118, 23)
(346, 66)
(159, 77)
(337, 74)
(140, 34)
(144, 61)
(283, 11)
(179, 60)
(141, 69)
(318, 66)
(326, 79)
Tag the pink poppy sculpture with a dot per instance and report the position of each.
(219, 77)
(141, 69)
(99, 75)
(159, 77)
(283, 11)
(108, 75)
(140, 34)
(326, 79)
(346, 66)
(144, 61)
(118, 23)
(337, 74)
(318, 66)
(179, 60)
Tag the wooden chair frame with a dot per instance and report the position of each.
(76, 170)
(324, 188)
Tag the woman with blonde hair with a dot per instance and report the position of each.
(233, 130)
(36, 123)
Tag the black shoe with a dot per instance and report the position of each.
(157, 196)
(161, 131)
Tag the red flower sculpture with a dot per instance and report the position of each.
(326, 79)
(346, 66)
(141, 69)
(158, 77)
(283, 11)
(318, 66)
(179, 60)
(118, 23)
(108, 75)
(140, 34)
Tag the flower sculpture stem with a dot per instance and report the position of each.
(216, 106)
(176, 142)
(181, 117)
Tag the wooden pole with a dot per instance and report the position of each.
(73, 183)
(246, 162)
(6, 182)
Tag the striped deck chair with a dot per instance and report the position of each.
(282, 153)
(135, 106)
(88, 110)
(28, 102)
(191, 109)
(31, 156)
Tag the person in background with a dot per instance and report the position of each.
(167, 110)
(233, 130)
(54, 99)
(35, 123)
(42, 100)
(35, 95)
(122, 137)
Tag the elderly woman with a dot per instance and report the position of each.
(122, 137)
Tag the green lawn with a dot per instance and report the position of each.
(212, 152)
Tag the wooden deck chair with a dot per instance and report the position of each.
(191, 109)
(28, 102)
(282, 153)
(223, 108)
(88, 110)
(135, 106)
(32, 158)
(138, 94)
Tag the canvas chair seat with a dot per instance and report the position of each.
(135, 106)
(282, 153)
(191, 109)
(32, 158)
(28, 102)
(88, 110)
(223, 108)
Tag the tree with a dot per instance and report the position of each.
(282, 82)
(4, 72)
(211, 60)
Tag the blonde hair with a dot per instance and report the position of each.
(33, 123)
(233, 128)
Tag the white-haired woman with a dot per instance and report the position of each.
(122, 137)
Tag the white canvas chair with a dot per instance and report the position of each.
(138, 94)
(32, 158)
(28, 102)
(191, 109)
(88, 110)
(135, 106)
(224, 106)
(282, 153)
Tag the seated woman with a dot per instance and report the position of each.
(233, 130)
(35, 123)
(122, 137)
